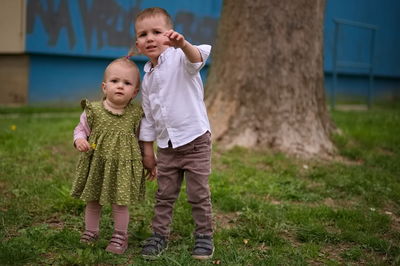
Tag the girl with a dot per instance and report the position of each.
(109, 169)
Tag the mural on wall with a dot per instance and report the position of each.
(105, 27)
(53, 19)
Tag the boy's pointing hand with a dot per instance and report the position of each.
(174, 39)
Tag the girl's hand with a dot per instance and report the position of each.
(175, 39)
(82, 145)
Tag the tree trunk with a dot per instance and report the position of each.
(265, 86)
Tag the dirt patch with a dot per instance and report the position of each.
(391, 209)
(337, 253)
(340, 203)
(329, 202)
(54, 222)
(385, 151)
(331, 252)
(351, 107)
(290, 236)
(3, 186)
(225, 220)
(347, 161)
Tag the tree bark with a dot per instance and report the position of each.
(265, 86)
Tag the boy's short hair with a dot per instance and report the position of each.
(155, 11)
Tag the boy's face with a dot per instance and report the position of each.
(150, 39)
(119, 85)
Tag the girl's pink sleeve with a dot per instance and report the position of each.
(82, 130)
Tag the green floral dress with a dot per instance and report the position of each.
(111, 172)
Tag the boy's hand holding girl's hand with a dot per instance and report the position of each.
(149, 163)
(149, 159)
(82, 145)
(151, 174)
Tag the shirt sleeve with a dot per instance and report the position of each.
(147, 125)
(194, 68)
(82, 130)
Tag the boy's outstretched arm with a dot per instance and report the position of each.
(178, 40)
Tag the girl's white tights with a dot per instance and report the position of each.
(93, 212)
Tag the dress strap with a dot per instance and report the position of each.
(87, 106)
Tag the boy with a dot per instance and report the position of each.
(176, 117)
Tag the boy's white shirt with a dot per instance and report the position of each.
(173, 99)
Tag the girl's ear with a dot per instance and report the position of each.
(103, 87)
(135, 92)
(137, 48)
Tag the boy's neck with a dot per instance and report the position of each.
(154, 62)
(115, 108)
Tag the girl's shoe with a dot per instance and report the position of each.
(118, 243)
(89, 237)
(203, 247)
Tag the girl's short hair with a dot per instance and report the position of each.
(128, 62)
(155, 11)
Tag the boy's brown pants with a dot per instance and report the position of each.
(193, 161)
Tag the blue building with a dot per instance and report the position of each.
(57, 49)
(361, 37)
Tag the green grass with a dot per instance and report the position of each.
(269, 209)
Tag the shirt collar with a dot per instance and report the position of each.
(148, 67)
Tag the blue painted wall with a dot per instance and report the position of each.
(71, 42)
(354, 45)
(104, 28)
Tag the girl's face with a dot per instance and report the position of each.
(120, 83)
(150, 39)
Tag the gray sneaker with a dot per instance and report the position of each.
(203, 247)
(154, 246)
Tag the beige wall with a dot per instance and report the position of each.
(14, 64)
(14, 73)
(12, 26)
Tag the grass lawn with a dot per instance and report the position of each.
(269, 209)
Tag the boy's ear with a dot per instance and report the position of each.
(103, 86)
